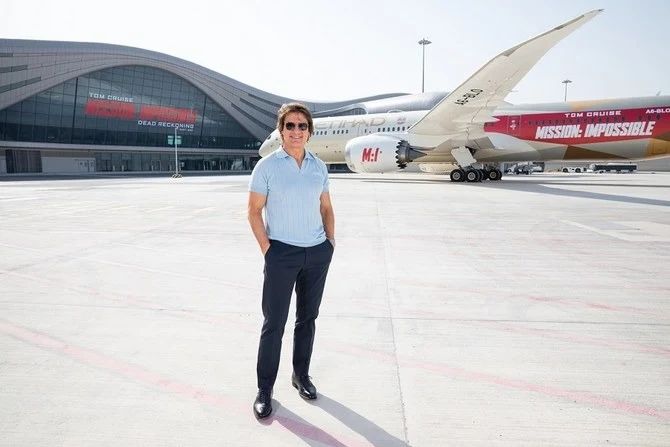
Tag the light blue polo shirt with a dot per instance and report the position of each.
(292, 207)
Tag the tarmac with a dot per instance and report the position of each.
(534, 311)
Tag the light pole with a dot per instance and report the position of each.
(423, 42)
(176, 160)
(566, 82)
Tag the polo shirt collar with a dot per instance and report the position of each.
(281, 153)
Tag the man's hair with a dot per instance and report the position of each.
(292, 107)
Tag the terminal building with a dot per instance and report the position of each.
(70, 107)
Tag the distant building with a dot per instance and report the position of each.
(71, 107)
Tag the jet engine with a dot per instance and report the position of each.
(379, 153)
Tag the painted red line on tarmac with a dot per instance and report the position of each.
(581, 397)
(578, 339)
(139, 374)
(587, 304)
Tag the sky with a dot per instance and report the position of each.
(336, 50)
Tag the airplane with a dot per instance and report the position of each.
(472, 129)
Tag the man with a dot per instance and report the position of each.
(297, 240)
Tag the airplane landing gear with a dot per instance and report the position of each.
(471, 175)
(457, 175)
(495, 174)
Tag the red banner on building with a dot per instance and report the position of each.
(110, 109)
(168, 114)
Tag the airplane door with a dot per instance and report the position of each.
(514, 125)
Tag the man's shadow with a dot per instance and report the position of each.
(315, 436)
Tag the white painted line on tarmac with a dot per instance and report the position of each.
(160, 209)
(120, 208)
(167, 273)
(636, 231)
(17, 199)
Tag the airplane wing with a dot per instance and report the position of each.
(463, 112)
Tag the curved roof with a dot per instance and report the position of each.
(28, 67)
(401, 103)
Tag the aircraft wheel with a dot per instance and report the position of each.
(457, 175)
(494, 174)
(472, 176)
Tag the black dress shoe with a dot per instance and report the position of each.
(263, 404)
(305, 387)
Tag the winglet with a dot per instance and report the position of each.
(571, 25)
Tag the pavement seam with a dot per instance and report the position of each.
(389, 293)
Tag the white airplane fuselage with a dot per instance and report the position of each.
(331, 134)
(631, 128)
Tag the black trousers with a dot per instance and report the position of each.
(287, 266)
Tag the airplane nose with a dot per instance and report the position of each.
(267, 147)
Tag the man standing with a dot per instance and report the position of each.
(297, 240)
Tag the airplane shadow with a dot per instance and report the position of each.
(544, 187)
(314, 436)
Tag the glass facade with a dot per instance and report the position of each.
(126, 106)
(165, 161)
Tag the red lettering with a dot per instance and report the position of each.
(170, 114)
(367, 154)
(110, 109)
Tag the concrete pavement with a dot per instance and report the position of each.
(531, 311)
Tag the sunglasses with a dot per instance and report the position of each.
(291, 126)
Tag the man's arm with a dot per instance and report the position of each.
(328, 216)
(255, 215)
